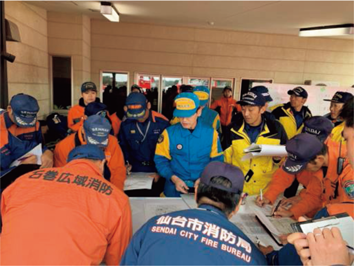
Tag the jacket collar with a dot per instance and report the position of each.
(212, 209)
(197, 132)
(8, 121)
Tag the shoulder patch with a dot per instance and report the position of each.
(160, 139)
(349, 188)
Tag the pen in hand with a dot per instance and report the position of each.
(276, 208)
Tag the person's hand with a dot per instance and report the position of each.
(301, 245)
(260, 202)
(265, 250)
(32, 159)
(155, 176)
(282, 212)
(128, 168)
(284, 239)
(47, 159)
(180, 185)
(290, 201)
(327, 247)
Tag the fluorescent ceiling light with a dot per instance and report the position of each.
(109, 11)
(335, 30)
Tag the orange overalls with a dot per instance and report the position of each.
(113, 152)
(64, 216)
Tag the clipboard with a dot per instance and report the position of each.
(343, 221)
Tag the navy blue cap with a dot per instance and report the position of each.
(299, 92)
(88, 86)
(252, 98)
(264, 91)
(230, 172)
(97, 129)
(187, 104)
(203, 94)
(340, 97)
(88, 151)
(319, 126)
(25, 109)
(301, 149)
(136, 105)
(96, 108)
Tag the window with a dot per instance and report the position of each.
(217, 86)
(170, 89)
(199, 81)
(114, 87)
(150, 86)
(61, 83)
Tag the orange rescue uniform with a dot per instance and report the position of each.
(226, 107)
(76, 118)
(312, 198)
(64, 216)
(113, 152)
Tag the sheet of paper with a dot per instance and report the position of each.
(277, 226)
(248, 224)
(37, 151)
(138, 181)
(153, 209)
(345, 224)
(256, 150)
(190, 200)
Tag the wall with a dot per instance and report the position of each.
(70, 35)
(29, 72)
(186, 51)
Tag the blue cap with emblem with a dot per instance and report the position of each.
(319, 126)
(299, 92)
(228, 171)
(97, 130)
(264, 91)
(203, 94)
(252, 98)
(187, 104)
(136, 104)
(25, 109)
(340, 97)
(88, 151)
(301, 149)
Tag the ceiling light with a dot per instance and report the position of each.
(334, 30)
(109, 11)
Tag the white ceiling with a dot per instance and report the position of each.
(283, 17)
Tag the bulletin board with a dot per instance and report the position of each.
(316, 94)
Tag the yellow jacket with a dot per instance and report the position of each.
(285, 116)
(336, 134)
(272, 133)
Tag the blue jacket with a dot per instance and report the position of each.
(210, 118)
(16, 141)
(202, 236)
(185, 154)
(139, 153)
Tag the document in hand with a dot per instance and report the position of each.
(343, 221)
(35, 151)
(256, 150)
(274, 226)
(138, 180)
